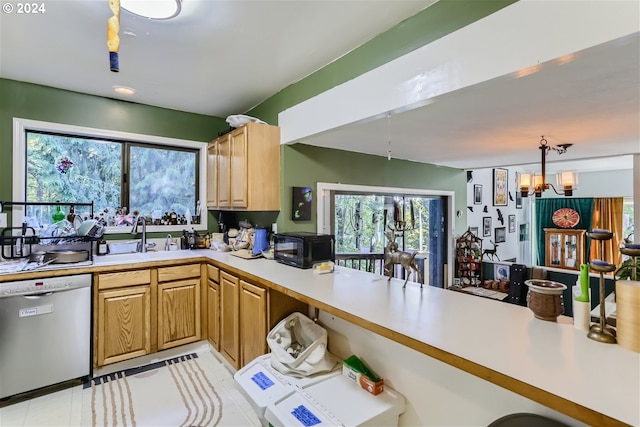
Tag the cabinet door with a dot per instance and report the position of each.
(223, 166)
(178, 313)
(229, 318)
(253, 321)
(564, 248)
(124, 324)
(213, 312)
(212, 175)
(239, 170)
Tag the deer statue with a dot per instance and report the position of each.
(491, 252)
(393, 256)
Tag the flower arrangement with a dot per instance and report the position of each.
(64, 164)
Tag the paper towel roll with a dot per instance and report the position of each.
(581, 315)
(628, 314)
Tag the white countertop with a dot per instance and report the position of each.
(503, 337)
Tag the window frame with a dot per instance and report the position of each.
(21, 126)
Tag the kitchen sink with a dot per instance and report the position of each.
(139, 257)
(124, 248)
(117, 258)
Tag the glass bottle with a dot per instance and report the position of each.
(58, 214)
(72, 214)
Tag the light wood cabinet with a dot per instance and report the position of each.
(247, 312)
(229, 318)
(253, 321)
(239, 165)
(123, 316)
(142, 311)
(178, 313)
(178, 307)
(246, 169)
(213, 307)
(564, 248)
(223, 171)
(212, 177)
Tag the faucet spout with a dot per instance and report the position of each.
(140, 220)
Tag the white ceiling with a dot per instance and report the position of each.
(591, 100)
(224, 57)
(215, 58)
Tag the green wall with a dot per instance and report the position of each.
(307, 165)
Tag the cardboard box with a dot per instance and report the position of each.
(356, 371)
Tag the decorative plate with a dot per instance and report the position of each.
(565, 218)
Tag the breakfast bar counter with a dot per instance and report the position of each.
(549, 364)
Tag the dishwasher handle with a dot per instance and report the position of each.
(37, 296)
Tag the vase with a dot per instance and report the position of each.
(58, 215)
(545, 298)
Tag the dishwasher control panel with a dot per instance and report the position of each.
(44, 285)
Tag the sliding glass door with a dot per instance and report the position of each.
(364, 220)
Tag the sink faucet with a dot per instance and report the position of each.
(140, 220)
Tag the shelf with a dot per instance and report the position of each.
(469, 259)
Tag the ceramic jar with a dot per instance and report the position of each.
(545, 299)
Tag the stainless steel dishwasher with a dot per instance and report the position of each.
(45, 332)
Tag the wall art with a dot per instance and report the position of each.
(500, 187)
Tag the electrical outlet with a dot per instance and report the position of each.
(3, 220)
(274, 228)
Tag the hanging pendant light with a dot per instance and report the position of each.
(531, 183)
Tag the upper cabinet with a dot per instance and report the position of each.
(243, 169)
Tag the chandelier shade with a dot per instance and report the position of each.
(530, 183)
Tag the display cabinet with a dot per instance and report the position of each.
(564, 248)
(469, 259)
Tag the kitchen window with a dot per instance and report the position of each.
(123, 175)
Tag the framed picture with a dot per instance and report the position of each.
(474, 230)
(500, 187)
(500, 271)
(301, 204)
(500, 235)
(477, 194)
(512, 223)
(486, 226)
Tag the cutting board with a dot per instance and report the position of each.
(245, 253)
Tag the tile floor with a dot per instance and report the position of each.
(64, 407)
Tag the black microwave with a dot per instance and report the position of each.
(303, 249)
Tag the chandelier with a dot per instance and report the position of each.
(531, 183)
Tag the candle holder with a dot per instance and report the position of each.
(600, 331)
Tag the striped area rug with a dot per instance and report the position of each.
(177, 392)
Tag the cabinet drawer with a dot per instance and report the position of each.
(166, 274)
(214, 273)
(124, 278)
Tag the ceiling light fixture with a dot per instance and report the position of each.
(531, 183)
(153, 9)
(124, 90)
